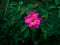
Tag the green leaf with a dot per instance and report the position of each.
(44, 12)
(44, 33)
(33, 29)
(51, 6)
(59, 13)
(36, 42)
(18, 7)
(33, 37)
(23, 28)
(13, 3)
(57, 2)
(58, 7)
(15, 41)
(20, 2)
(5, 3)
(47, 30)
(26, 33)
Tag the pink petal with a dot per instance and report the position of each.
(31, 13)
(27, 21)
(26, 17)
(37, 22)
(34, 14)
(36, 26)
(40, 19)
(31, 25)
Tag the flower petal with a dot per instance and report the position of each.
(35, 26)
(27, 17)
(30, 26)
(32, 13)
(40, 19)
(27, 21)
(37, 22)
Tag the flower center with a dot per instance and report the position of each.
(32, 20)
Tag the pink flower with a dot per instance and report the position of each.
(32, 20)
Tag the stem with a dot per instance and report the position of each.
(5, 11)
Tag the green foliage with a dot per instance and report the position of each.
(13, 28)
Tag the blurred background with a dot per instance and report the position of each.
(13, 30)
